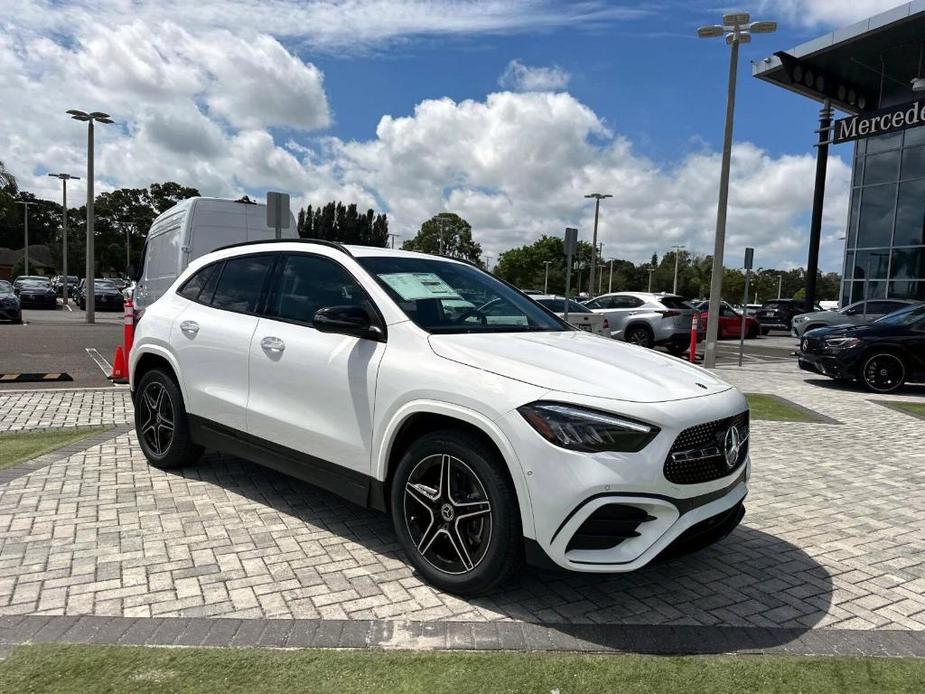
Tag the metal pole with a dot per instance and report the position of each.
(89, 280)
(780, 282)
(597, 209)
(716, 280)
(546, 278)
(610, 282)
(64, 244)
(568, 284)
(744, 313)
(600, 280)
(650, 279)
(26, 248)
(677, 251)
(815, 225)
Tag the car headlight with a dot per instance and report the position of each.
(581, 429)
(842, 342)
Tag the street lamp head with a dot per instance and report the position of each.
(97, 116)
(599, 196)
(741, 37)
(78, 115)
(736, 19)
(710, 32)
(762, 27)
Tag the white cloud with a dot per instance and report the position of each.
(526, 78)
(518, 165)
(834, 13)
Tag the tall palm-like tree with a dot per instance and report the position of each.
(7, 179)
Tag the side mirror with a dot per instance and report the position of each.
(347, 320)
(851, 311)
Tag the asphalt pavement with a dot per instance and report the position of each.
(58, 342)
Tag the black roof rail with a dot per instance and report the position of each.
(321, 242)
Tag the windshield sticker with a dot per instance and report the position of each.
(411, 286)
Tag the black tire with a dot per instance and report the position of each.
(882, 372)
(678, 350)
(491, 536)
(18, 320)
(765, 331)
(752, 333)
(160, 414)
(640, 335)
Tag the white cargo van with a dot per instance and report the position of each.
(192, 228)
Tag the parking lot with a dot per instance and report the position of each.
(833, 540)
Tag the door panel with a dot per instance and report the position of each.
(313, 391)
(211, 347)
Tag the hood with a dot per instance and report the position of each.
(824, 315)
(849, 330)
(580, 363)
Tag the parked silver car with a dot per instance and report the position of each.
(579, 315)
(853, 314)
(648, 319)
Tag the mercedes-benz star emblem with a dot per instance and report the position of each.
(731, 446)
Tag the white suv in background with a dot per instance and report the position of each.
(374, 374)
(649, 320)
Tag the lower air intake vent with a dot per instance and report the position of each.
(608, 526)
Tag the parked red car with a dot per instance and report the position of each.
(730, 321)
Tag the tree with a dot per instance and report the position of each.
(446, 234)
(344, 224)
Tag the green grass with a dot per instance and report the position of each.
(19, 446)
(916, 408)
(81, 669)
(774, 409)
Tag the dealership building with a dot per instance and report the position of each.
(874, 73)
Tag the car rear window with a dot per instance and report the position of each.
(675, 302)
(241, 283)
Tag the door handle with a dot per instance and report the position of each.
(272, 344)
(189, 328)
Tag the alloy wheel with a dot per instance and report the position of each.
(638, 336)
(159, 424)
(884, 372)
(447, 514)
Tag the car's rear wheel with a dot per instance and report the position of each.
(455, 513)
(161, 422)
(883, 372)
(678, 350)
(752, 333)
(640, 335)
(765, 331)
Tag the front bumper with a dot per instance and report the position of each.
(826, 364)
(10, 312)
(567, 488)
(38, 301)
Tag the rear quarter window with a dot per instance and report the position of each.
(675, 302)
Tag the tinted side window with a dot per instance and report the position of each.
(675, 302)
(241, 282)
(307, 283)
(192, 288)
(625, 302)
(884, 307)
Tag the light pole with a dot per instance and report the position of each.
(597, 208)
(547, 263)
(737, 28)
(651, 270)
(25, 204)
(610, 281)
(89, 278)
(393, 237)
(65, 177)
(677, 252)
(780, 283)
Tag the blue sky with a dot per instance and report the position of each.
(401, 105)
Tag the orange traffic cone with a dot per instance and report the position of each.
(119, 370)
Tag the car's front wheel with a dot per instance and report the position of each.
(161, 423)
(883, 372)
(640, 335)
(455, 513)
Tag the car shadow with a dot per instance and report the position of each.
(851, 386)
(763, 590)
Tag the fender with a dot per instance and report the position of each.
(160, 351)
(381, 454)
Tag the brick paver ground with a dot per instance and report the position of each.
(834, 536)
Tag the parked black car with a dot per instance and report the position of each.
(778, 314)
(35, 293)
(58, 283)
(107, 296)
(882, 356)
(18, 282)
(9, 303)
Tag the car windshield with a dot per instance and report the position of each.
(904, 316)
(447, 297)
(34, 283)
(558, 306)
(103, 283)
(5, 287)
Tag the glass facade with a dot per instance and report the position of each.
(885, 242)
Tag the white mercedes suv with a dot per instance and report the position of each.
(372, 373)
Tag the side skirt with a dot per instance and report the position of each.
(351, 485)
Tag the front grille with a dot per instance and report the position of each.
(608, 526)
(698, 454)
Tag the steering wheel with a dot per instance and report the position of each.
(483, 319)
